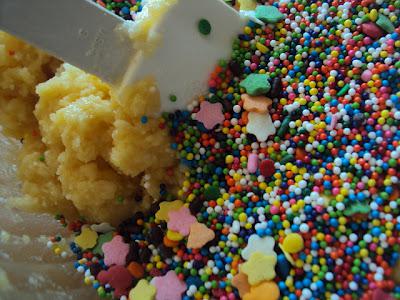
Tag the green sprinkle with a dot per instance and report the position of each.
(211, 193)
(287, 158)
(365, 18)
(358, 208)
(343, 90)
(101, 292)
(120, 199)
(103, 238)
(284, 126)
(204, 27)
(41, 157)
(172, 98)
(384, 23)
(268, 14)
(256, 84)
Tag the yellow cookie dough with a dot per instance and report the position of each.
(85, 151)
(22, 67)
(41, 189)
(142, 29)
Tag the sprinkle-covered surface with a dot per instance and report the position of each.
(126, 9)
(317, 187)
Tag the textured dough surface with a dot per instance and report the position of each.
(22, 67)
(85, 151)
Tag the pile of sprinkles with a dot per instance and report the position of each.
(126, 9)
(291, 186)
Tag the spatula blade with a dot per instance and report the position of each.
(77, 31)
(185, 57)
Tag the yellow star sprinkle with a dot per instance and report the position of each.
(143, 291)
(260, 267)
(166, 207)
(87, 239)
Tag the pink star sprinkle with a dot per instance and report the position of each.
(115, 251)
(181, 220)
(210, 114)
(169, 287)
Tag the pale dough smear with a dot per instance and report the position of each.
(85, 152)
(141, 30)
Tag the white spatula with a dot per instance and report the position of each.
(84, 34)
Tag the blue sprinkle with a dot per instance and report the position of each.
(144, 119)
(125, 10)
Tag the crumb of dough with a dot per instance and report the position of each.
(131, 136)
(142, 31)
(40, 187)
(22, 67)
(87, 151)
(75, 113)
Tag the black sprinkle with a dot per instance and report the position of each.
(235, 68)
(276, 88)
(165, 252)
(133, 254)
(95, 269)
(196, 205)
(145, 255)
(156, 236)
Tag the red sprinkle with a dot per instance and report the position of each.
(267, 168)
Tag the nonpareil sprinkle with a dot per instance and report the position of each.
(291, 166)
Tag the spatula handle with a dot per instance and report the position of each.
(77, 31)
